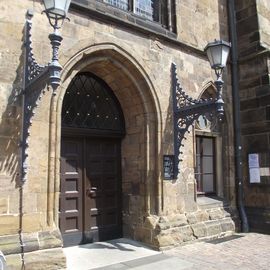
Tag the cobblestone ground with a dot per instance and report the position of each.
(248, 251)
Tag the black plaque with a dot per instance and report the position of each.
(168, 167)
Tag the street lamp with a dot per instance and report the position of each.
(217, 53)
(56, 11)
(35, 75)
(186, 109)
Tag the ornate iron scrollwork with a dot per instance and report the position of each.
(32, 93)
(35, 76)
(187, 110)
(32, 68)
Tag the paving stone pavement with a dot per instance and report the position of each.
(243, 251)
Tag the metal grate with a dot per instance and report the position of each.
(90, 103)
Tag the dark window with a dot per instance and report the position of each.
(89, 103)
(205, 164)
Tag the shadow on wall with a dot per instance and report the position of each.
(11, 122)
(10, 127)
(10, 142)
(168, 139)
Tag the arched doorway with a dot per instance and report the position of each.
(90, 190)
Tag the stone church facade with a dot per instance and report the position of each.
(96, 147)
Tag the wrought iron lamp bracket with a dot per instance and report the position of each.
(32, 69)
(35, 78)
(187, 110)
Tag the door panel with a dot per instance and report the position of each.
(103, 203)
(70, 216)
(90, 201)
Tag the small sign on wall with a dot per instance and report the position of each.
(254, 168)
(168, 167)
(259, 168)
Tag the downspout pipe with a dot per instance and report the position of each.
(237, 122)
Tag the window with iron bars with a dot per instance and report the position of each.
(153, 10)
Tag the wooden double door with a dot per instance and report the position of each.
(90, 192)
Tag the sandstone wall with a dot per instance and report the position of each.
(199, 22)
(142, 84)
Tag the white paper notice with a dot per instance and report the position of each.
(254, 168)
(254, 175)
(265, 171)
(253, 161)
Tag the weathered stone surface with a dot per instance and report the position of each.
(199, 230)
(150, 222)
(14, 262)
(49, 239)
(177, 238)
(191, 218)
(177, 220)
(227, 224)
(186, 233)
(202, 216)
(30, 242)
(3, 205)
(45, 259)
(213, 227)
(164, 240)
(143, 235)
(197, 216)
(9, 224)
(215, 214)
(10, 244)
(163, 226)
(49, 259)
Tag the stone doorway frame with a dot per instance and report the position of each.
(101, 59)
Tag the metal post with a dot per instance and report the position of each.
(54, 66)
(219, 102)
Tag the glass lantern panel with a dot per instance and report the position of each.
(225, 53)
(57, 7)
(214, 55)
(49, 4)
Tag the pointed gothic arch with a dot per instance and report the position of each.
(135, 92)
